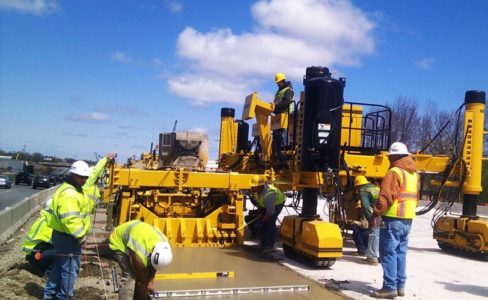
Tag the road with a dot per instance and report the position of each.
(9, 197)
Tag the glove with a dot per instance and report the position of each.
(38, 256)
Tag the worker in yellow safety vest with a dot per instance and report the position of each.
(270, 201)
(368, 195)
(140, 249)
(38, 245)
(283, 103)
(90, 188)
(396, 206)
(68, 208)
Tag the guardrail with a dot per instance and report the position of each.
(12, 218)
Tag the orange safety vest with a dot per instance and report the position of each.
(406, 202)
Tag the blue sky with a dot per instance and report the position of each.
(79, 77)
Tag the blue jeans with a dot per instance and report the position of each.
(61, 282)
(360, 237)
(393, 252)
(269, 231)
(373, 243)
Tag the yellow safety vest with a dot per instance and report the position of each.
(68, 211)
(406, 202)
(138, 236)
(260, 199)
(279, 95)
(38, 232)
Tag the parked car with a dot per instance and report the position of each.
(23, 177)
(45, 181)
(5, 182)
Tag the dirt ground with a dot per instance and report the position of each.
(19, 281)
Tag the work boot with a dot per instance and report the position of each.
(369, 261)
(381, 294)
(359, 253)
(267, 250)
(401, 292)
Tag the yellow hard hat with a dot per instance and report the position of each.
(360, 180)
(279, 77)
(256, 181)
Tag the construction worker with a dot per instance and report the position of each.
(396, 206)
(360, 231)
(284, 95)
(282, 104)
(69, 226)
(368, 195)
(270, 202)
(140, 249)
(90, 188)
(38, 245)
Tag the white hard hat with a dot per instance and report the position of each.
(80, 168)
(161, 255)
(398, 148)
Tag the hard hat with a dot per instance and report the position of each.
(161, 255)
(398, 148)
(360, 180)
(80, 168)
(256, 181)
(279, 77)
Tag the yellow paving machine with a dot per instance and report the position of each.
(312, 151)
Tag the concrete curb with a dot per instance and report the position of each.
(12, 218)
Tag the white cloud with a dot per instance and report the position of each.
(121, 57)
(35, 7)
(289, 35)
(174, 6)
(425, 63)
(90, 117)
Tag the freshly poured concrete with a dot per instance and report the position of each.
(251, 269)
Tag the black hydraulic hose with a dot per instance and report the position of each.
(458, 111)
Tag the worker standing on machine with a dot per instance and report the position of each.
(69, 226)
(140, 249)
(282, 104)
(284, 95)
(270, 201)
(38, 245)
(396, 206)
(368, 195)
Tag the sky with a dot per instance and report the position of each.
(85, 77)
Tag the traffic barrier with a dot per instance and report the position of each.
(12, 218)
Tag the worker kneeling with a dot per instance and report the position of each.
(270, 201)
(140, 249)
(38, 244)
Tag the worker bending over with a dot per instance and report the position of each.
(140, 249)
(38, 245)
(270, 201)
(368, 195)
(67, 219)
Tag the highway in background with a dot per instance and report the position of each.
(9, 197)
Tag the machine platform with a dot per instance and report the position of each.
(252, 276)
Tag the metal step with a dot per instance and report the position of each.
(231, 291)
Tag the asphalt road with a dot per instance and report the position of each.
(9, 197)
